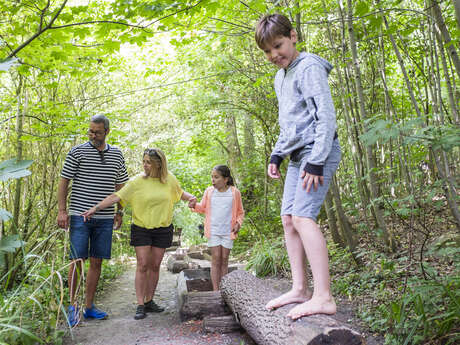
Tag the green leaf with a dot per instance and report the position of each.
(10, 243)
(362, 8)
(8, 63)
(5, 215)
(13, 168)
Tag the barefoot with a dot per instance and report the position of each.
(288, 297)
(313, 306)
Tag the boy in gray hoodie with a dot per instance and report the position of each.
(308, 135)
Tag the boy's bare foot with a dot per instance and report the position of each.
(287, 298)
(313, 306)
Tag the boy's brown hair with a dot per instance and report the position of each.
(271, 26)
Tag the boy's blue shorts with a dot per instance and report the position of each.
(296, 201)
(92, 238)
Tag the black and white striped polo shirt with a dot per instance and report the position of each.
(94, 177)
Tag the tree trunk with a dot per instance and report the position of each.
(19, 148)
(352, 124)
(371, 164)
(233, 146)
(332, 220)
(451, 47)
(247, 295)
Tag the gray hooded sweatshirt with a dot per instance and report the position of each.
(306, 111)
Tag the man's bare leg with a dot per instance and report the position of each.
(94, 272)
(75, 277)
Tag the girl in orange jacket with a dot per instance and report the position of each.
(224, 213)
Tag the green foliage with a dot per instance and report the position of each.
(188, 221)
(429, 309)
(269, 257)
(13, 168)
(9, 244)
(414, 132)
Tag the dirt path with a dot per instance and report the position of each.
(119, 300)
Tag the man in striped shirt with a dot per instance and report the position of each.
(96, 170)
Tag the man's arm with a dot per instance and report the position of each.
(63, 217)
(118, 220)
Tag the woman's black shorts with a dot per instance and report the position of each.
(157, 237)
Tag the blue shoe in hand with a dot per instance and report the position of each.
(94, 313)
(73, 315)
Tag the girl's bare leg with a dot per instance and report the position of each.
(224, 263)
(216, 265)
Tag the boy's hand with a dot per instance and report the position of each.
(309, 179)
(273, 171)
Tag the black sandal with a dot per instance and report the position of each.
(140, 312)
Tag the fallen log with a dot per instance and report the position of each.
(177, 262)
(194, 300)
(247, 295)
(220, 324)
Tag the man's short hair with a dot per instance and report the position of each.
(101, 119)
(271, 26)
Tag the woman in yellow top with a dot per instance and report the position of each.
(152, 196)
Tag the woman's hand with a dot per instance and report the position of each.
(88, 213)
(192, 202)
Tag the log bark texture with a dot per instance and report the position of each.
(247, 295)
(220, 324)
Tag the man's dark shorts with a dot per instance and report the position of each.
(92, 238)
(157, 237)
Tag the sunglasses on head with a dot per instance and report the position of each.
(152, 152)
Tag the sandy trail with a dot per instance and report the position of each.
(119, 300)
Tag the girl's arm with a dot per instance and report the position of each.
(239, 208)
(201, 206)
(109, 201)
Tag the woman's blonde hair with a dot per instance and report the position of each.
(159, 164)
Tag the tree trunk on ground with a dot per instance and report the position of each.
(220, 324)
(247, 295)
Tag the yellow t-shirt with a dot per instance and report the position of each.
(152, 202)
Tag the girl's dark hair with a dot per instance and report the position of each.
(224, 171)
